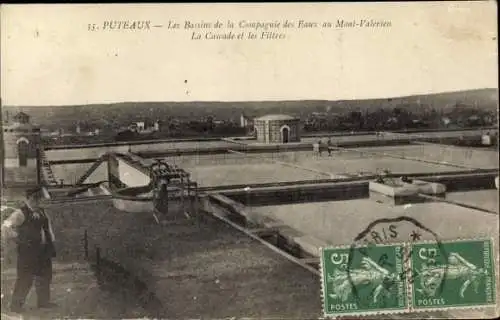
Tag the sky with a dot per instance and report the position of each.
(48, 56)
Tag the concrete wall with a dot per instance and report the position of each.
(281, 193)
(12, 171)
(19, 176)
(14, 163)
(99, 174)
(83, 153)
(14, 174)
(10, 146)
(131, 176)
(146, 206)
(78, 153)
(127, 175)
(129, 205)
(71, 172)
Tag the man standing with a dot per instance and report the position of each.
(32, 230)
(329, 145)
(320, 146)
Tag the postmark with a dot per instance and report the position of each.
(355, 282)
(401, 229)
(461, 275)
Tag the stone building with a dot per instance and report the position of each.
(20, 158)
(277, 128)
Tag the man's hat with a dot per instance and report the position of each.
(33, 199)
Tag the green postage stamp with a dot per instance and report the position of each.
(408, 277)
(363, 280)
(460, 273)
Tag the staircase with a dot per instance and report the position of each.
(48, 174)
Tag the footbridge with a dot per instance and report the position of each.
(133, 184)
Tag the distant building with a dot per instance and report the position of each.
(140, 126)
(156, 125)
(446, 121)
(489, 138)
(133, 127)
(137, 126)
(245, 122)
(277, 128)
(21, 118)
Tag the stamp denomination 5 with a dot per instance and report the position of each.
(407, 277)
(356, 283)
(463, 271)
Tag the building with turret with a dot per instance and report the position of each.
(21, 150)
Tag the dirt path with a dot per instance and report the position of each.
(76, 294)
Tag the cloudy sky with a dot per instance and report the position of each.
(50, 58)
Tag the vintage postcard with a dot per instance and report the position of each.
(251, 160)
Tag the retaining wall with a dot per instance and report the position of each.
(298, 193)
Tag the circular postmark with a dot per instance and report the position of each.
(382, 266)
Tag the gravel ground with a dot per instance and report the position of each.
(75, 291)
(194, 270)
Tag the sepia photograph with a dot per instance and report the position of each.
(250, 161)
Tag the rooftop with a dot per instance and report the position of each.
(276, 117)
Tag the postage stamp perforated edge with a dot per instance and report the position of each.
(494, 259)
(357, 313)
(410, 309)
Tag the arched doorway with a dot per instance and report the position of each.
(285, 134)
(23, 150)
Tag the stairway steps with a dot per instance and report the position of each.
(49, 176)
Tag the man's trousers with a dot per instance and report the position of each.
(32, 266)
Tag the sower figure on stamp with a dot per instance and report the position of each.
(32, 230)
